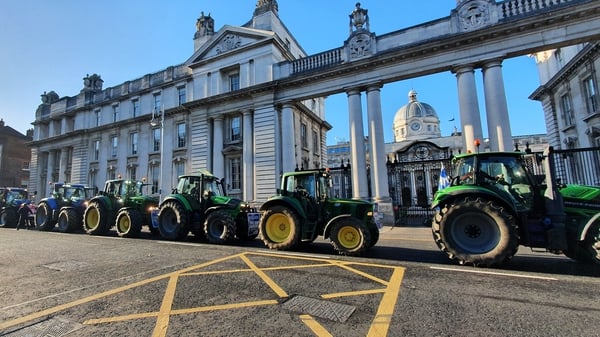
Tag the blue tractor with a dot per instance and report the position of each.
(11, 199)
(64, 207)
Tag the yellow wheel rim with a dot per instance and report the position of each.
(278, 227)
(349, 237)
(91, 221)
(124, 224)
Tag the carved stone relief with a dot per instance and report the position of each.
(473, 15)
(229, 42)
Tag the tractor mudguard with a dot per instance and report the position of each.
(473, 191)
(287, 202)
(51, 202)
(328, 226)
(587, 226)
(180, 199)
(104, 201)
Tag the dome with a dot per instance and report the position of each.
(416, 120)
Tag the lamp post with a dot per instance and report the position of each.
(154, 122)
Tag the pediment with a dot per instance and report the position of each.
(228, 39)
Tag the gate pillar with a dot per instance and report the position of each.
(469, 108)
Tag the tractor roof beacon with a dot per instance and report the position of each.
(494, 204)
(304, 209)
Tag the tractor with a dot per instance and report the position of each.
(123, 204)
(303, 209)
(11, 199)
(199, 205)
(65, 207)
(495, 203)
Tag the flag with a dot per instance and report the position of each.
(444, 181)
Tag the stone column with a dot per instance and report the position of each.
(248, 156)
(218, 162)
(357, 146)
(62, 166)
(469, 107)
(496, 107)
(288, 149)
(50, 169)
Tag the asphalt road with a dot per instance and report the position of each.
(55, 284)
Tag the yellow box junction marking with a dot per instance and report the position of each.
(378, 328)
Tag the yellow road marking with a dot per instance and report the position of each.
(353, 293)
(162, 321)
(276, 288)
(383, 318)
(313, 325)
(361, 273)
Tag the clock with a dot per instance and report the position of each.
(422, 152)
(415, 126)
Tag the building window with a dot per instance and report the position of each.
(136, 107)
(181, 135)
(591, 96)
(111, 173)
(97, 117)
(132, 172)
(157, 103)
(134, 143)
(235, 172)
(179, 168)
(234, 82)
(114, 146)
(115, 113)
(96, 151)
(303, 135)
(154, 172)
(315, 139)
(92, 178)
(181, 93)
(235, 130)
(156, 140)
(567, 110)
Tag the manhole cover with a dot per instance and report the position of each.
(52, 327)
(324, 309)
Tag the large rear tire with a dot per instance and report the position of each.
(173, 222)
(96, 219)
(476, 232)
(8, 218)
(69, 221)
(129, 223)
(220, 227)
(280, 228)
(350, 237)
(592, 243)
(43, 218)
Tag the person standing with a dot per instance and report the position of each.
(24, 212)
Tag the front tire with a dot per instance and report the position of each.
(95, 219)
(8, 218)
(43, 218)
(476, 232)
(129, 223)
(350, 237)
(69, 221)
(591, 244)
(220, 227)
(280, 228)
(173, 222)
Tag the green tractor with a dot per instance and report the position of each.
(199, 205)
(494, 204)
(122, 204)
(303, 210)
(65, 207)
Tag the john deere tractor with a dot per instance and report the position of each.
(122, 204)
(303, 209)
(494, 204)
(65, 207)
(199, 205)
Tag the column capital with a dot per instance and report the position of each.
(465, 68)
(492, 63)
(247, 112)
(374, 86)
(352, 91)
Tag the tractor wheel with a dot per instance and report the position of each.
(476, 232)
(592, 244)
(43, 218)
(374, 235)
(350, 237)
(128, 223)
(95, 219)
(8, 218)
(220, 227)
(173, 221)
(280, 228)
(69, 221)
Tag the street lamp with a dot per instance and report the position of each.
(155, 122)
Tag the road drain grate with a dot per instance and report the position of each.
(52, 327)
(324, 309)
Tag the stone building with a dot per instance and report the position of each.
(15, 157)
(191, 116)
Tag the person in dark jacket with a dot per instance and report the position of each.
(24, 212)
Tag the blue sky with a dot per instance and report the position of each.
(52, 45)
